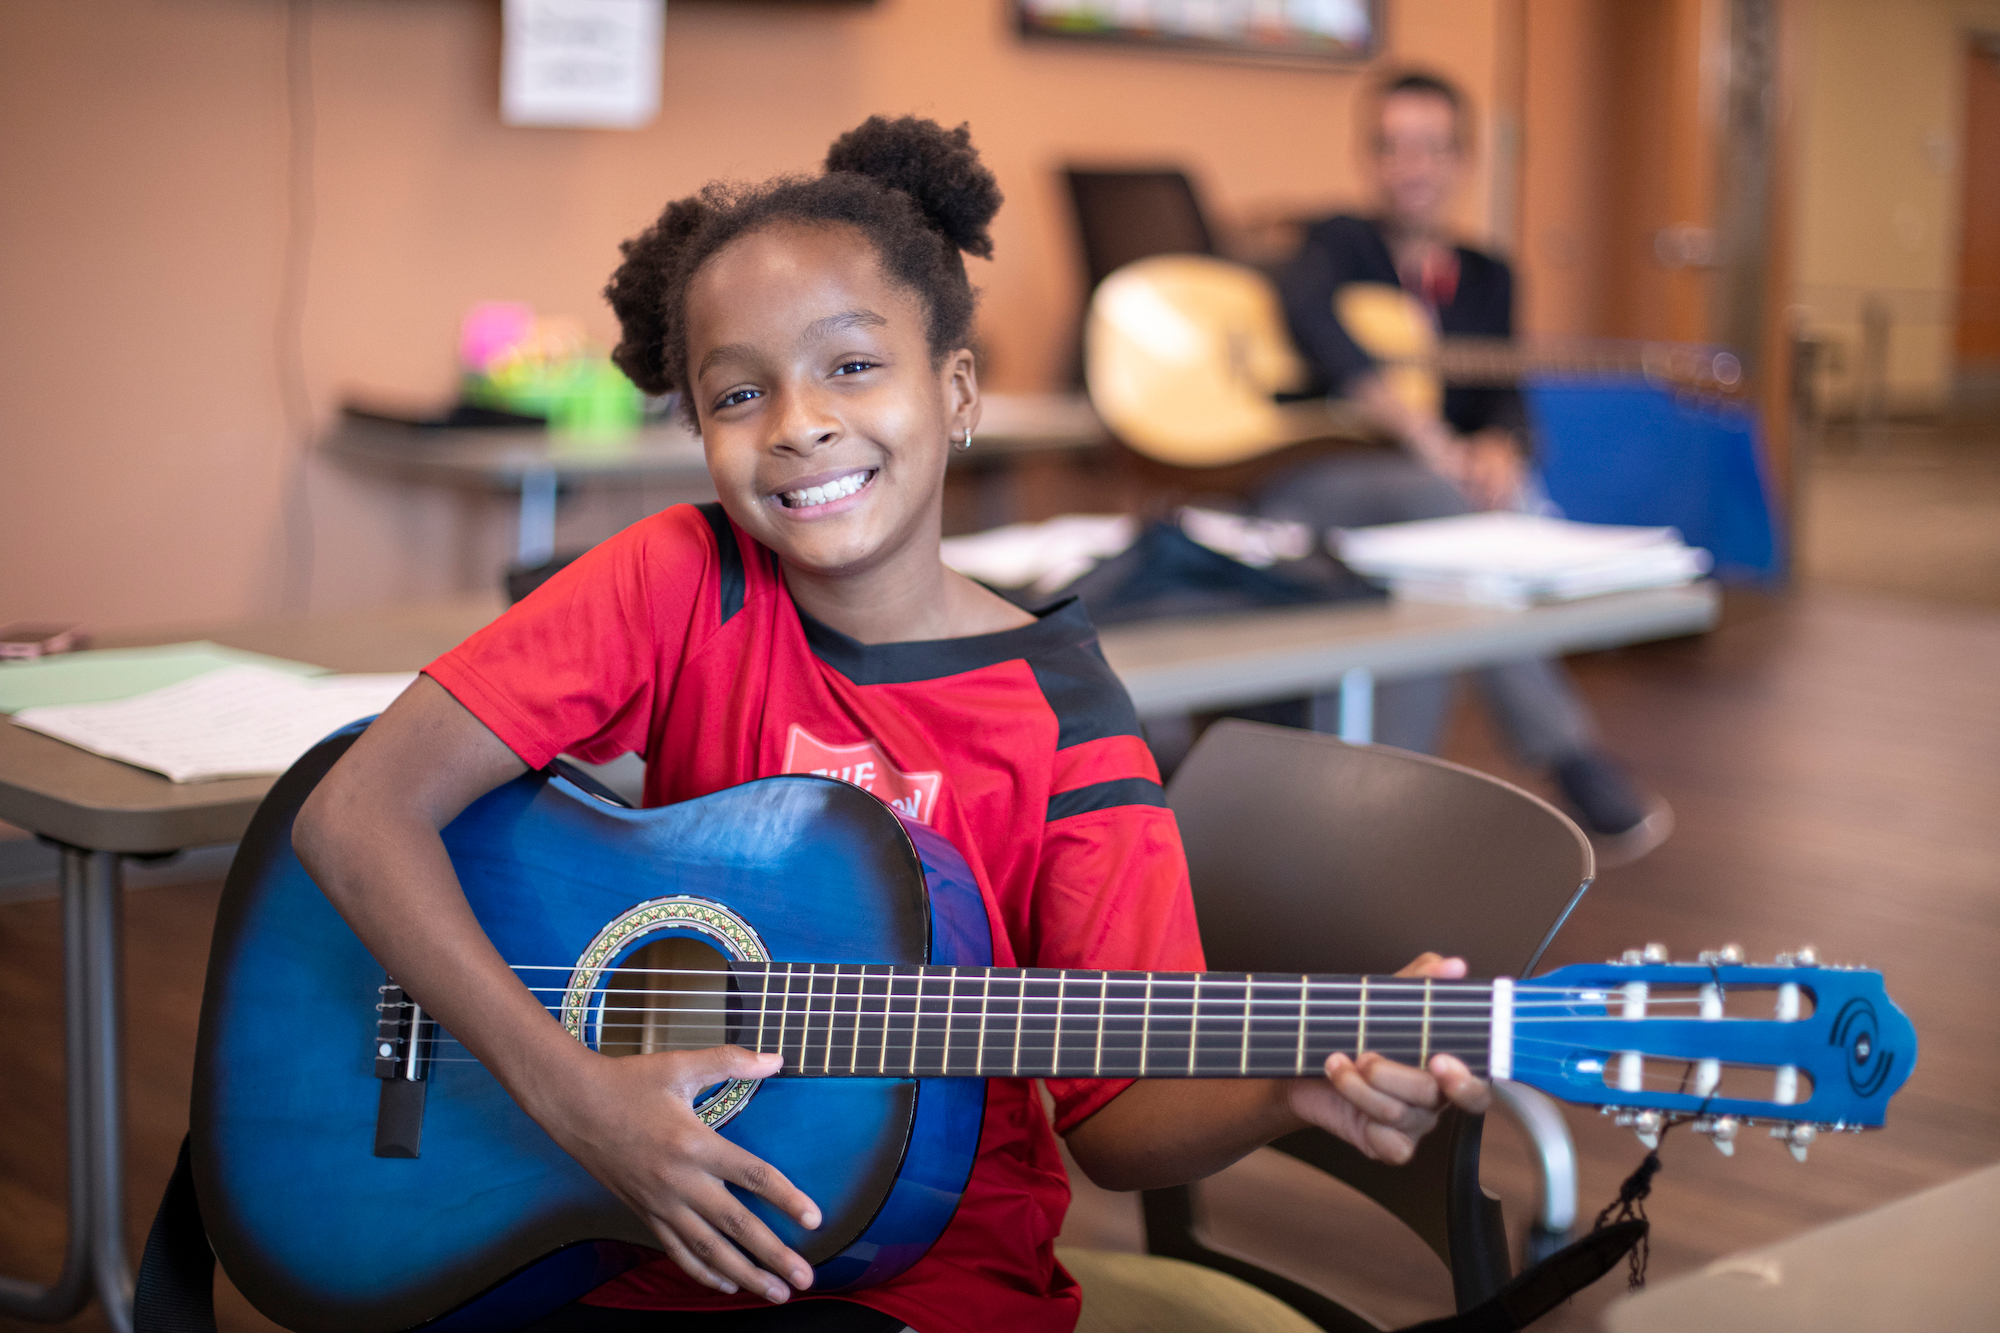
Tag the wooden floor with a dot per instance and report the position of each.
(1835, 763)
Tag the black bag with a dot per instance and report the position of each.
(1167, 573)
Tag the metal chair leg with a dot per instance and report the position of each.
(1555, 1162)
(71, 1291)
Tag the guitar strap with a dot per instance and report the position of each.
(1541, 1287)
(175, 1292)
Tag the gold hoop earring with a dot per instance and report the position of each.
(964, 444)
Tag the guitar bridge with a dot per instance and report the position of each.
(402, 1054)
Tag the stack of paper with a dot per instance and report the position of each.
(238, 721)
(1516, 560)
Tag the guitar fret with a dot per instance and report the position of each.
(1243, 1064)
(1361, 1022)
(784, 1010)
(1146, 1027)
(1304, 981)
(861, 1003)
(1103, 1014)
(985, 1003)
(763, 1006)
(888, 1004)
(1055, 1052)
(916, 1022)
(950, 1006)
(1424, 1046)
(1194, 1023)
(1020, 1017)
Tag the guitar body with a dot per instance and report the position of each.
(491, 1224)
(1183, 354)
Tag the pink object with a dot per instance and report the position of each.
(490, 329)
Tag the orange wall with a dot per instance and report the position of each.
(145, 469)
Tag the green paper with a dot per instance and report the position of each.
(104, 674)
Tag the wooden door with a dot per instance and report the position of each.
(1979, 243)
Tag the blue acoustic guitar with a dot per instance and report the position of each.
(357, 1171)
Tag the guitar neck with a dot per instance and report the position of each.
(829, 1020)
(1498, 361)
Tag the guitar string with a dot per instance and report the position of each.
(1653, 1082)
(1228, 1012)
(1526, 994)
(1460, 993)
(1274, 1008)
(934, 972)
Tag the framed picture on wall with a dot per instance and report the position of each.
(1332, 30)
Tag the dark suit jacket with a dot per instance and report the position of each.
(1350, 249)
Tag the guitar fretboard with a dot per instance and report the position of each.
(830, 1020)
(1499, 361)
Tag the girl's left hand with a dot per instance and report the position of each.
(1382, 1107)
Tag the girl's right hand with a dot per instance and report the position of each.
(630, 1122)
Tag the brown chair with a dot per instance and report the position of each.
(1308, 854)
(1126, 215)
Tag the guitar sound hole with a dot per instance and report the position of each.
(668, 995)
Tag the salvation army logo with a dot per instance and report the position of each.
(911, 795)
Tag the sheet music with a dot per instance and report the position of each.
(1516, 560)
(242, 721)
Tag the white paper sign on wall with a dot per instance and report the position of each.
(593, 64)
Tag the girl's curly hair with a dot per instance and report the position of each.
(916, 190)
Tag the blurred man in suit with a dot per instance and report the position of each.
(1473, 454)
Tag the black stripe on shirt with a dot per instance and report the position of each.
(729, 558)
(1057, 631)
(1085, 694)
(1106, 796)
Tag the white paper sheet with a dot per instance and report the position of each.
(242, 721)
(1514, 560)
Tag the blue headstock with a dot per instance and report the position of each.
(1797, 1045)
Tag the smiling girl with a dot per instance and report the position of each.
(817, 331)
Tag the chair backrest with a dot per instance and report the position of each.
(1308, 854)
(1126, 215)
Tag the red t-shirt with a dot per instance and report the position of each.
(678, 639)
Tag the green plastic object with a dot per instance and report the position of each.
(586, 398)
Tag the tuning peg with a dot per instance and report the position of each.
(1630, 958)
(1647, 1125)
(1729, 954)
(1722, 1131)
(1797, 1137)
(1654, 953)
(1806, 957)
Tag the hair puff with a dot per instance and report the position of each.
(916, 192)
(937, 167)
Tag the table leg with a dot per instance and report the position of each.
(104, 936)
(1357, 706)
(70, 1292)
(535, 537)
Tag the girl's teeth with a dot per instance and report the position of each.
(813, 496)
